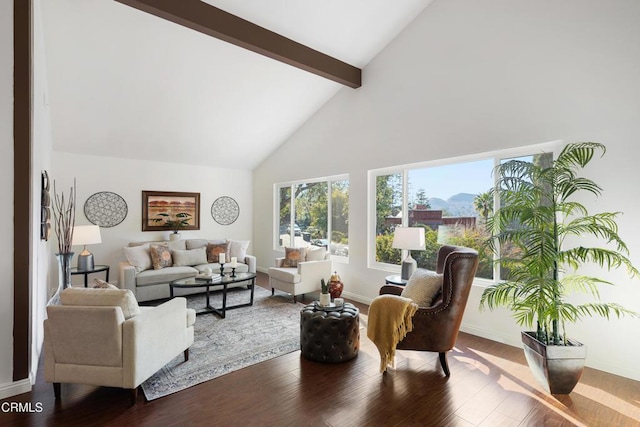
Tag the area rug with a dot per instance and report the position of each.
(248, 335)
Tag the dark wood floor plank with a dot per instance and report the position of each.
(490, 385)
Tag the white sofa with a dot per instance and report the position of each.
(101, 337)
(305, 277)
(147, 284)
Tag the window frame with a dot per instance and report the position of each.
(553, 147)
(291, 185)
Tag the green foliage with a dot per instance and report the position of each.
(427, 257)
(311, 207)
(339, 237)
(535, 217)
(384, 251)
(475, 238)
(471, 238)
(388, 191)
(180, 221)
(422, 199)
(483, 204)
(285, 205)
(340, 211)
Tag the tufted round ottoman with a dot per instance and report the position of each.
(330, 336)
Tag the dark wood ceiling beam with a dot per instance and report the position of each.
(222, 25)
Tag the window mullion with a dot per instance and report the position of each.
(329, 214)
(292, 219)
(405, 198)
(405, 204)
(497, 271)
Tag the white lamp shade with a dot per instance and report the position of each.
(410, 238)
(86, 235)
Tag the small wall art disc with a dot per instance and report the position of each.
(225, 210)
(105, 209)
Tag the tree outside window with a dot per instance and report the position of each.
(451, 202)
(315, 214)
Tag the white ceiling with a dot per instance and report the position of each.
(124, 83)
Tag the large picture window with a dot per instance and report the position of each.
(450, 200)
(314, 213)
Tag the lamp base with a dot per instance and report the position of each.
(409, 265)
(85, 262)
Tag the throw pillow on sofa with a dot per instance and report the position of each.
(238, 249)
(201, 243)
(189, 257)
(214, 250)
(292, 256)
(139, 257)
(160, 256)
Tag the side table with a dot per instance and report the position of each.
(395, 279)
(330, 336)
(86, 273)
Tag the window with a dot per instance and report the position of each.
(314, 213)
(451, 200)
(388, 215)
(340, 217)
(509, 251)
(284, 194)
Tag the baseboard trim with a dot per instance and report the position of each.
(356, 297)
(491, 335)
(15, 388)
(591, 362)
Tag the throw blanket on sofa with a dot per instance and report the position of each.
(389, 322)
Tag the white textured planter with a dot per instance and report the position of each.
(325, 299)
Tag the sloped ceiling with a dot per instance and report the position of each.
(123, 83)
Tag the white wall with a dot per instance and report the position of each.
(129, 178)
(41, 160)
(6, 194)
(471, 76)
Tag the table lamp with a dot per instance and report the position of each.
(409, 238)
(86, 235)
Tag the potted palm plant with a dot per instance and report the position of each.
(537, 218)
(180, 221)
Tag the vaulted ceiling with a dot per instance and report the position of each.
(126, 83)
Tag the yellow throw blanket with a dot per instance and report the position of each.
(389, 322)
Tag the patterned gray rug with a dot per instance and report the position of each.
(248, 335)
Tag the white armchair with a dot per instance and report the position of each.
(101, 337)
(302, 279)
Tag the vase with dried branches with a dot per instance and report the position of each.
(64, 213)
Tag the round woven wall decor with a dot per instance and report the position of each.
(105, 209)
(225, 210)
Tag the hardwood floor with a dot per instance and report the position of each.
(490, 385)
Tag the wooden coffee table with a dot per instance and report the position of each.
(223, 282)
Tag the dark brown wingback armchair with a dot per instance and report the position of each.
(436, 328)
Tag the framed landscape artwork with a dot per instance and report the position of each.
(170, 210)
